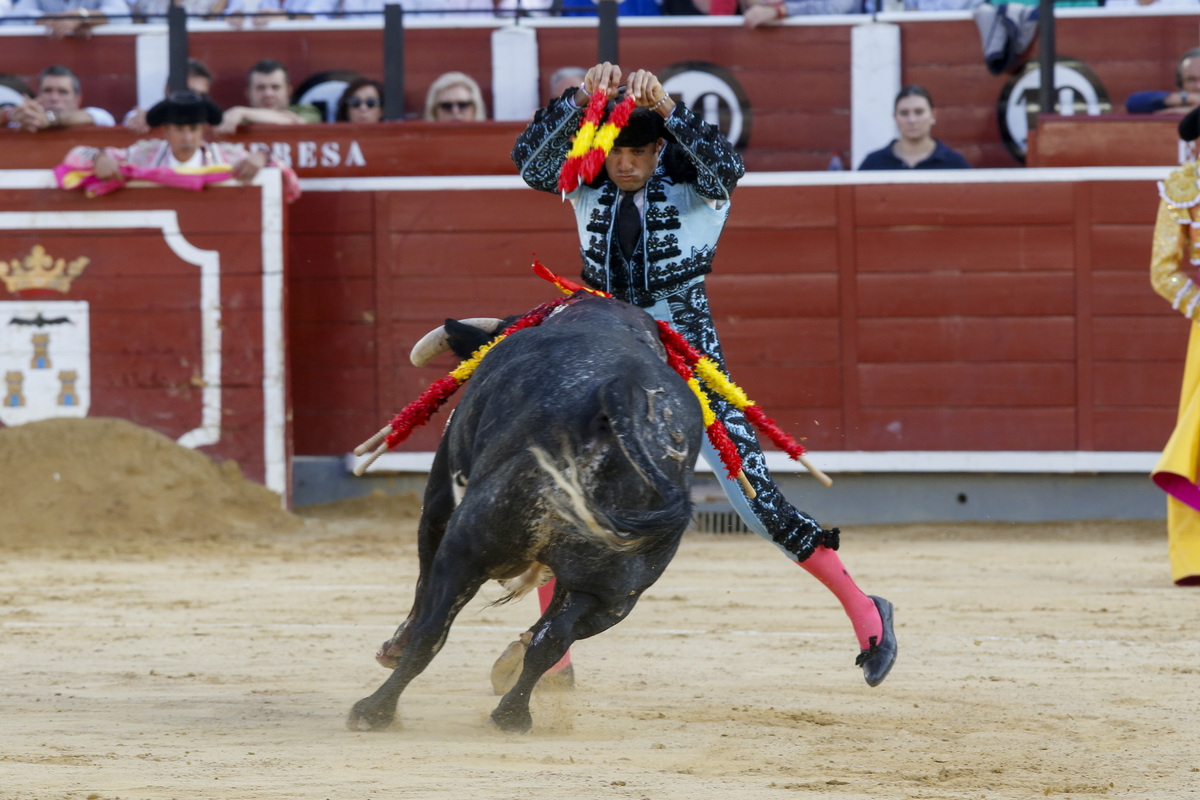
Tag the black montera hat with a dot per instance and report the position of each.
(644, 127)
(184, 108)
(1189, 126)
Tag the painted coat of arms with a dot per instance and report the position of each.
(45, 357)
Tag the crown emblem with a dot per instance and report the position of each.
(39, 273)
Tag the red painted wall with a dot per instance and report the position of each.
(983, 316)
(147, 347)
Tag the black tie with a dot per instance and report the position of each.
(629, 225)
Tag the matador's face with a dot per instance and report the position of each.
(631, 167)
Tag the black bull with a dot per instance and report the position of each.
(572, 447)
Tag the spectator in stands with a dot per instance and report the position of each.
(454, 97)
(199, 80)
(757, 13)
(625, 8)
(361, 102)
(529, 8)
(566, 78)
(1185, 97)
(355, 9)
(78, 16)
(268, 88)
(182, 158)
(676, 8)
(157, 9)
(916, 148)
(13, 92)
(56, 105)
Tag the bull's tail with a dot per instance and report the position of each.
(617, 528)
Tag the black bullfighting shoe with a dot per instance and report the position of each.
(877, 661)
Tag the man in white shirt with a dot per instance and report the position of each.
(56, 105)
(68, 17)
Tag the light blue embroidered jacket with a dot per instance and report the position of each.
(686, 200)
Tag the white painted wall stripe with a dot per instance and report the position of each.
(476, 183)
(874, 84)
(274, 380)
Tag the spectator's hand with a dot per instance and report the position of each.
(604, 76)
(137, 122)
(762, 14)
(106, 167)
(75, 26)
(248, 167)
(230, 121)
(30, 116)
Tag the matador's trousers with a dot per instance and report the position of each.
(769, 514)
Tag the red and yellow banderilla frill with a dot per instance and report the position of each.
(593, 142)
(692, 365)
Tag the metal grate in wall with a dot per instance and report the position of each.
(719, 522)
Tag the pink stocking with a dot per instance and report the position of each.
(545, 593)
(825, 566)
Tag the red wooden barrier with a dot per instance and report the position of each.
(1119, 139)
(894, 316)
(315, 151)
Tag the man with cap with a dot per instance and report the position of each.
(648, 225)
(182, 158)
(1173, 260)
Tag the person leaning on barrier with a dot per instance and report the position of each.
(180, 158)
(72, 17)
(1185, 97)
(916, 148)
(199, 80)
(56, 105)
(156, 10)
(454, 97)
(1174, 256)
(361, 102)
(757, 13)
(268, 89)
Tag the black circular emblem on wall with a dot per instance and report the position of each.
(711, 93)
(1078, 90)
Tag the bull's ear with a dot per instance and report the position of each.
(465, 339)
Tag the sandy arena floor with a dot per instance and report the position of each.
(1035, 660)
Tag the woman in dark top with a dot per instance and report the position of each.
(916, 148)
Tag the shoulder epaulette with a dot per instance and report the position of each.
(1181, 189)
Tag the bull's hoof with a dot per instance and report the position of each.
(508, 666)
(367, 715)
(512, 720)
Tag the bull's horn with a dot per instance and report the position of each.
(437, 341)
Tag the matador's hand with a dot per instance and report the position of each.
(604, 76)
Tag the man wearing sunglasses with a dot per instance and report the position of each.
(648, 227)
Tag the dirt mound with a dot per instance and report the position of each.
(108, 485)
